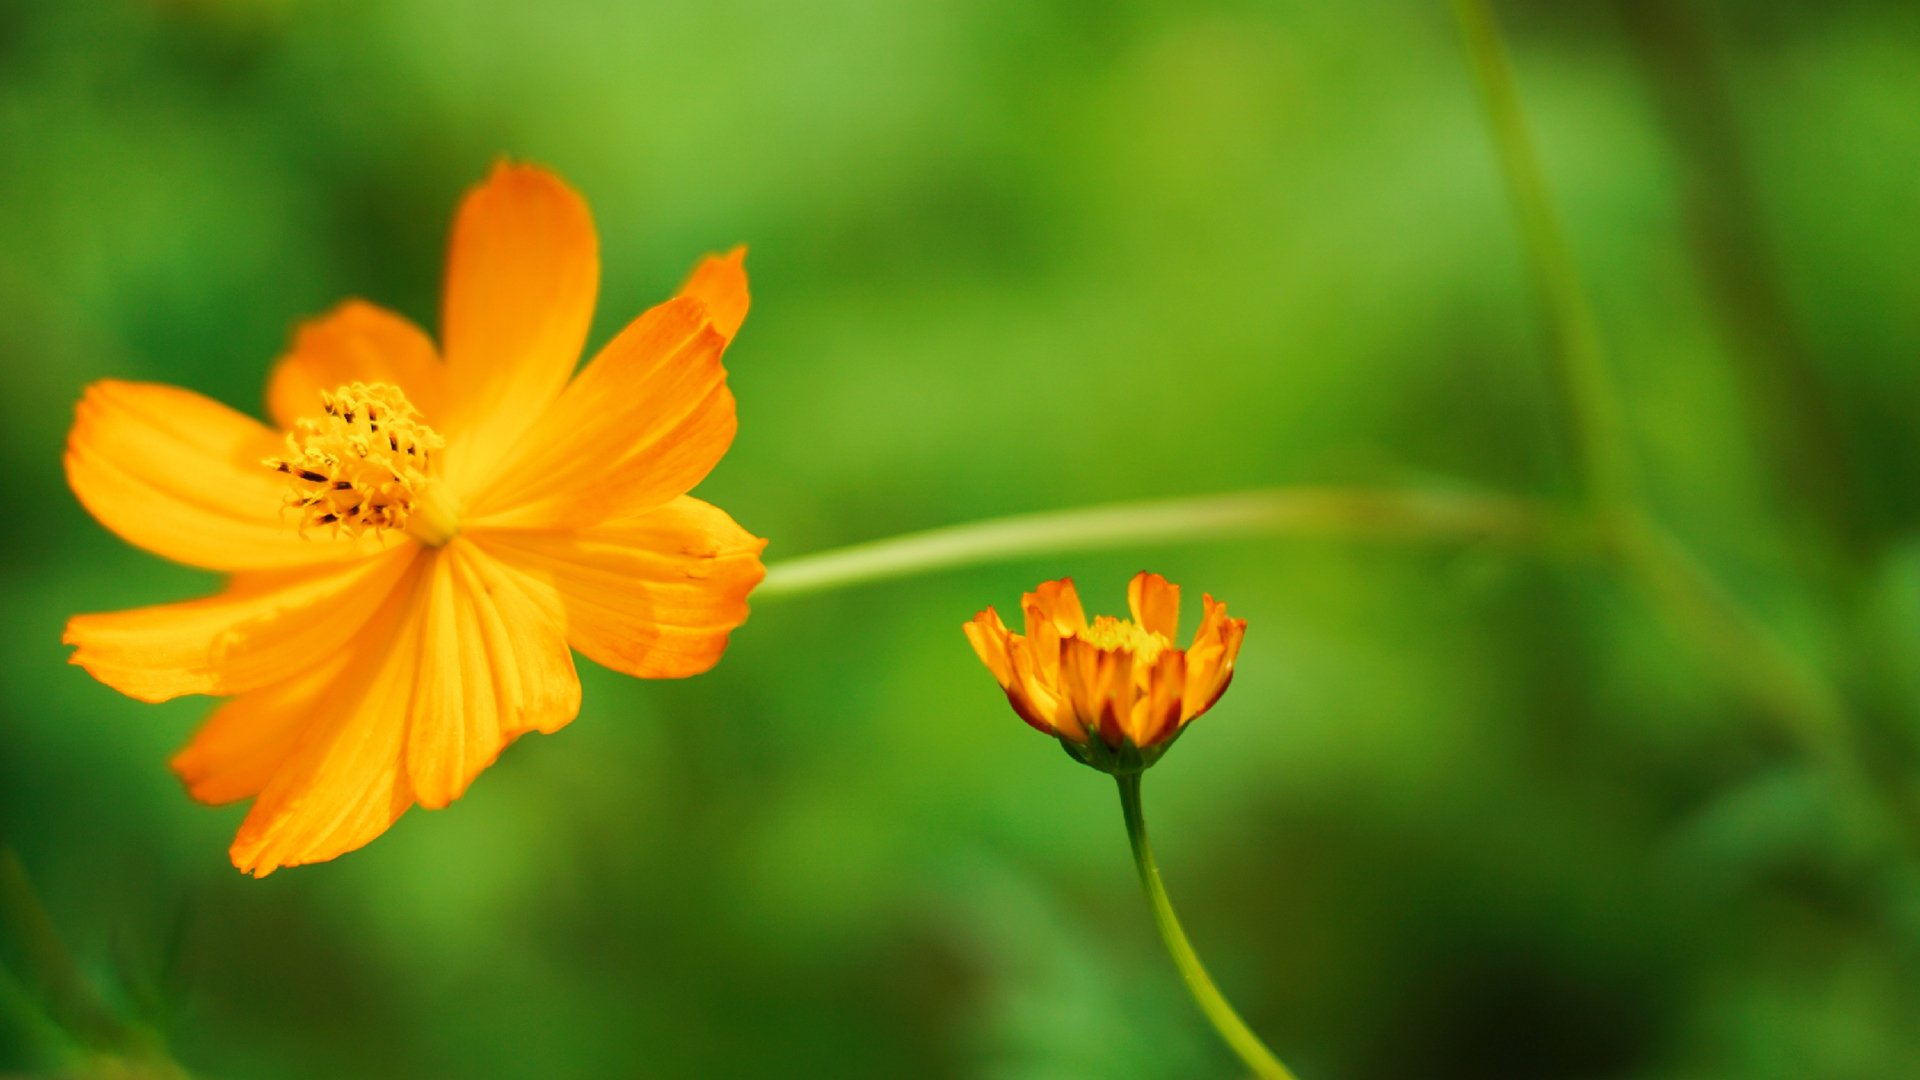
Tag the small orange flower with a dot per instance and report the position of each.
(412, 559)
(1116, 692)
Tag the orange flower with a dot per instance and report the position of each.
(1116, 692)
(413, 558)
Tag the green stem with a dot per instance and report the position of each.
(41, 962)
(1804, 703)
(1805, 707)
(1761, 666)
(1227, 1022)
(1346, 512)
(1580, 361)
(1799, 427)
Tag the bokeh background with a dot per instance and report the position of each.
(1470, 809)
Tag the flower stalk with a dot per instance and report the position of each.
(77, 1021)
(1219, 1011)
(1802, 702)
(1299, 511)
(1580, 359)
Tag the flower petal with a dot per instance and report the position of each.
(1056, 603)
(356, 342)
(720, 282)
(246, 740)
(997, 648)
(1157, 713)
(181, 476)
(644, 422)
(988, 636)
(1035, 695)
(344, 781)
(522, 272)
(653, 596)
(1118, 693)
(1088, 677)
(494, 664)
(1052, 612)
(262, 629)
(1155, 604)
(1210, 659)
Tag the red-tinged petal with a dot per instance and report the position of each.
(522, 272)
(1035, 695)
(261, 630)
(989, 638)
(1157, 714)
(356, 342)
(1210, 658)
(1118, 694)
(181, 476)
(1085, 674)
(653, 596)
(644, 423)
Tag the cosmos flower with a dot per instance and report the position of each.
(415, 551)
(1115, 692)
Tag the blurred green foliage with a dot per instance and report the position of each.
(1467, 811)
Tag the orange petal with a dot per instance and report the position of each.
(1210, 658)
(356, 342)
(989, 638)
(1055, 602)
(642, 424)
(521, 276)
(246, 740)
(1042, 638)
(1086, 676)
(344, 782)
(653, 596)
(494, 664)
(1036, 696)
(180, 475)
(262, 629)
(720, 282)
(1119, 692)
(1157, 714)
(1155, 604)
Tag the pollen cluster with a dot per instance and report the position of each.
(1109, 633)
(364, 463)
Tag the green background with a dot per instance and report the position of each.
(1469, 810)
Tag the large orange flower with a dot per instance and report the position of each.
(413, 558)
(1116, 692)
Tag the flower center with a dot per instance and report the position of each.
(368, 462)
(1110, 633)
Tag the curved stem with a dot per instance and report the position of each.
(1271, 512)
(1227, 1022)
(1581, 364)
(1812, 711)
(72, 1008)
(1804, 705)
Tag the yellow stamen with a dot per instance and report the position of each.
(1109, 633)
(368, 462)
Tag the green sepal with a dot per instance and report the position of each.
(1123, 760)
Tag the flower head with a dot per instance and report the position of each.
(430, 533)
(1116, 692)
